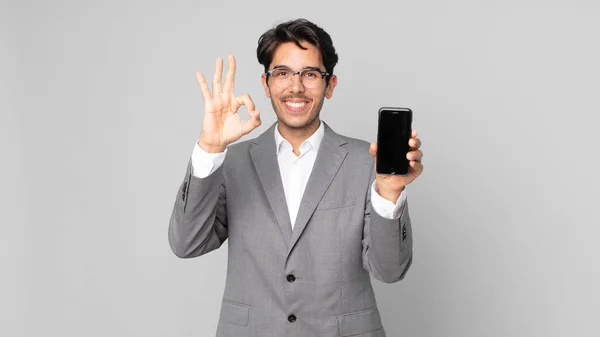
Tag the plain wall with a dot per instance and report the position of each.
(101, 109)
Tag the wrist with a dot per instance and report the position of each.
(211, 148)
(389, 194)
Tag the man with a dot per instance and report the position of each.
(307, 218)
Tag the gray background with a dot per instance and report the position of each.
(100, 111)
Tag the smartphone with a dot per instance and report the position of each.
(394, 129)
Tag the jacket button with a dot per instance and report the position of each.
(291, 318)
(291, 278)
(183, 190)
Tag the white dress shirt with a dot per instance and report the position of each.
(295, 171)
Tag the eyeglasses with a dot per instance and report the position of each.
(310, 77)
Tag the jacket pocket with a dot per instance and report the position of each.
(335, 204)
(234, 313)
(359, 322)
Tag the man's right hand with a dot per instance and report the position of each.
(222, 125)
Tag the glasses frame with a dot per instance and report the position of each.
(299, 73)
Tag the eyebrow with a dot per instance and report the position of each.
(305, 68)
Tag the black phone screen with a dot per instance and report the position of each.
(393, 133)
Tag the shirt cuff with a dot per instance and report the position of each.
(204, 163)
(386, 208)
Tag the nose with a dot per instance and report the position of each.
(297, 85)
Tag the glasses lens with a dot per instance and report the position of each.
(311, 78)
(282, 77)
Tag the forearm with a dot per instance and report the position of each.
(388, 247)
(198, 221)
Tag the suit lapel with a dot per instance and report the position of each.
(329, 159)
(264, 157)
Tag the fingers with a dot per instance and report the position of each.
(203, 86)
(373, 149)
(217, 77)
(230, 77)
(252, 123)
(415, 155)
(416, 167)
(216, 84)
(414, 143)
(254, 114)
(245, 100)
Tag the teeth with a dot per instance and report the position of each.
(296, 105)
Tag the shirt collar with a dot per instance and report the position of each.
(314, 140)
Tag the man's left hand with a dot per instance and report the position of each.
(391, 186)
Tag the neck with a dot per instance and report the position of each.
(297, 135)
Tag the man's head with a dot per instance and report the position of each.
(290, 47)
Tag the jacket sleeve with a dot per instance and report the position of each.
(387, 244)
(198, 221)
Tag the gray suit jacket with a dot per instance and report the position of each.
(314, 280)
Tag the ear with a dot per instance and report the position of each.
(263, 79)
(330, 86)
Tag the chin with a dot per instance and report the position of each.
(297, 123)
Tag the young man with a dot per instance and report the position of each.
(307, 218)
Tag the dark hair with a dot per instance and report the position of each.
(296, 31)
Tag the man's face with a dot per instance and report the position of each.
(296, 106)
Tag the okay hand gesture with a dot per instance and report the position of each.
(221, 124)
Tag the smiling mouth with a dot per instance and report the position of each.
(296, 105)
